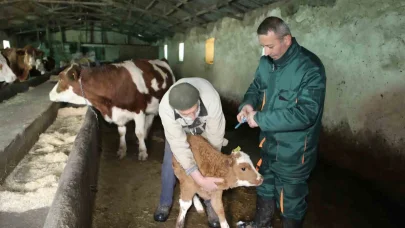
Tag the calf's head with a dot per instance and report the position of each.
(245, 173)
(69, 81)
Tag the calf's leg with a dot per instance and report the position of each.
(218, 207)
(122, 151)
(197, 204)
(186, 195)
(140, 134)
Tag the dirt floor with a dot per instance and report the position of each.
(128, 189)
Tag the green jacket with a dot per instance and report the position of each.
(289, 95)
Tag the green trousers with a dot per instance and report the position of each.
(287, 184)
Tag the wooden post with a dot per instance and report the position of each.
(38, 39)
(92, 32)
(49, 40)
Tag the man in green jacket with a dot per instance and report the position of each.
(286, 100)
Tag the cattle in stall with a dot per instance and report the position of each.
(34, 53)
(6, 74)
(20, 61)
(236, 169)
(130, 90)
(39, 66)
(49, 63)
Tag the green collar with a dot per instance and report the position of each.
(289, 54)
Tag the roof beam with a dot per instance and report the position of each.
(3, 2)
(174, 22)
(148, 7)
(74, 2)
(256, 3)
(185, 10)
(213, 8)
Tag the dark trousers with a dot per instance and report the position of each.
(167, 177)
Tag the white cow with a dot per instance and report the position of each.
(6, 74)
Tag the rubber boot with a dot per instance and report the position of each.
(291, 223)
(264, 213)
(213, 220)
(162, 213)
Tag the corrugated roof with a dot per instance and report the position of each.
(152, 19)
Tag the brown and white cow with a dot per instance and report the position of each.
(236, 169)
(6, 74)
(20, 61)
(122, 92)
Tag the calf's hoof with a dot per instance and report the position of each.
(213, 220)
(214, 223)
(161, 214)
(121, 153)
(143, 156)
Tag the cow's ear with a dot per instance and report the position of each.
(20, 52)
(73, 75)
(228, 162)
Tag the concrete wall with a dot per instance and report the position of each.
(362, 45)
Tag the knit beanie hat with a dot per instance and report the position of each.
(183, 96)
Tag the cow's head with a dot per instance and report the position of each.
(69, 80)
(32, 54)
(6, 74)
(25, 60)
(244, 170)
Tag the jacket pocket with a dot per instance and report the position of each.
(291, 149)
(285, 99)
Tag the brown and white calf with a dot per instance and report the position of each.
(122, 92)
(20, 61)
(236, 169)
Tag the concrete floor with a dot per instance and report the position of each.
(23, 118)
(128, 189)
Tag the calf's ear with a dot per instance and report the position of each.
(229, 162)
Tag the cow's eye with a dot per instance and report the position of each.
(243, 169)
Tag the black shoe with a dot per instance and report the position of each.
(291, 223)
(213, 220)
(264, 213)
(162, 213)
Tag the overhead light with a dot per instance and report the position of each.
(140, 35)
(31, 17)
(16, 22)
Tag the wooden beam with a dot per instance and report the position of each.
(239, 6)
(172, 21)
(148, 7)
(213, 8)
(4, 2)
(74, 2)
(185, 10)
(256, 3)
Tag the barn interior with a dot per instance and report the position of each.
(359, 179)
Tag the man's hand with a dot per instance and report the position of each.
(244, 112)
(250, 119)
(207, 183)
